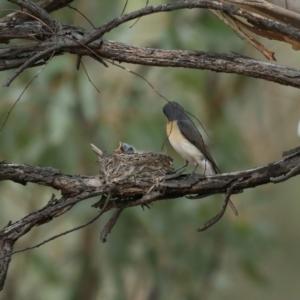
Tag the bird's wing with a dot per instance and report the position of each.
(191, 133)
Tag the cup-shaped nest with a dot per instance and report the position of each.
(136, 167)
(130, 176)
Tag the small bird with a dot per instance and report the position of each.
(188, 142)
(125, 149)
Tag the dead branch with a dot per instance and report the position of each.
(37, 11)
(6, 247)
(124, 192)
(227, 63)
(288, 14)
(77, 188)
(47, 5)
(109, 225)
(74, 40)
(215, 5)
(53, 38)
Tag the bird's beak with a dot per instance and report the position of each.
(118, 151)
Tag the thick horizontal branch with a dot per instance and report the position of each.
(227, 63)
(78, 188)
(71, 39)
(126, 193)
(68, 184)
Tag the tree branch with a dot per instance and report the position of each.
(274, 12)
(25, 56)
(47, 5)
(127, 193)
(227, 63)
(6, 248)
(78, 188)
(223, 6)
(124, 193)
(37, 11)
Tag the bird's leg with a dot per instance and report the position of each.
(185, 164)
(204, 166)
(196, 166)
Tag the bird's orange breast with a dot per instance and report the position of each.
(173, 131)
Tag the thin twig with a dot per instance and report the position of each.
(290, 32)
(126, 2)
(28, 84)
(154, 195)
(156, 91)
(71, 7)
(139, 17)
(110, 225)
(55, 47)
(37, 216)
(106, 202)
(89, 77)
(220, 214)
(30, 61)
(286, 176)
(79, 57)
(57, 236)
(97, 56)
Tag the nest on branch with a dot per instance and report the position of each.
(131, 172)
(119, 168)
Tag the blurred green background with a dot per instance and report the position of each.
(156, 253)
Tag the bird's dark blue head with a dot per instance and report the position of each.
(174, 111)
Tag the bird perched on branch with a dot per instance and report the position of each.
(125, 149)
(188, 142)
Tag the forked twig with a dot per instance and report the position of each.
(71, 7)
(220, 214)
(139, 17)
(234, 26)
(57, 236)
(30, 61)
